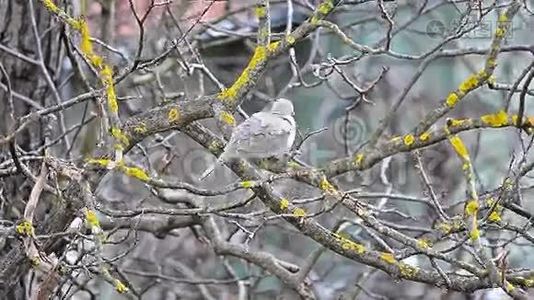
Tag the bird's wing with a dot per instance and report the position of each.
(262, 135)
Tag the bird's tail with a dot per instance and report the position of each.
(210, 169)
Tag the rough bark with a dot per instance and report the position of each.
(16, 33)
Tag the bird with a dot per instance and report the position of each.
(267, 133)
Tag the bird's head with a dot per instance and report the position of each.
(282, 106)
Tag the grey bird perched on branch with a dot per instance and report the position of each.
(262, 135)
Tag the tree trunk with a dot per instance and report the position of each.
(17, 36)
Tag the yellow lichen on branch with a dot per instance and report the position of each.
(408, 140)
(290, 39)
(120, 287)
(299, 212)
(459, 147)
(227, 118)
(103, 162)
(494, 217)
(322, 11)
(484, 76)
(86, 47)
(105, 72)
(425, 136)
(134, 172)
(91, 219)
(247, 184)
(272, 47)
(471, 208)
(495, 120)
(424, 243)
(173, 115)
(469, 84)
(120, 136)
(474, 234)
(25, 228)
(230, 94)
(452, 99)
(107, 80)
(260, 11)
(51, 6)
(407, 270)
(326, 186)
(140, 128)
(347, 244)
(388, 257)
(326, 7)
(284, 204)
(457, 122)
(358, 159)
